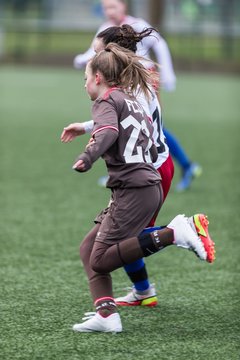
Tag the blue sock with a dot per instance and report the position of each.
(176, 150)
(137, 269)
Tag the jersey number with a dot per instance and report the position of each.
(141, 154)
(156, 120)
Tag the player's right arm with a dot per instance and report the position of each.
(100, 142)
(104, 134)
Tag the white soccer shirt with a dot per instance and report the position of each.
(153, 42)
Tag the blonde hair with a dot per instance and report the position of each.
(121, 67)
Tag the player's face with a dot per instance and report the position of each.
(114, 10)
(98, 45)
(91, 83)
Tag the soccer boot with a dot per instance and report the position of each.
(186, 237)
(95, 322)
(199, 222)
(188, 176)
(135, 299)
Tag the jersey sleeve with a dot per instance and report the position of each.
(88, 126)
(105, 133)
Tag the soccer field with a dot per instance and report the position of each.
(46, 209)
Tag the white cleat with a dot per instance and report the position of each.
(95, 322)
(186, 237)
(135, 299)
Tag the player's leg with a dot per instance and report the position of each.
(188, 233)
(126, 215)
(189, 169)
(106, 318)
(106, 257)
(85, 253)
(199, 224)
(176, 150)
(142, 291)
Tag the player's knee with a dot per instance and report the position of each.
(97, 264)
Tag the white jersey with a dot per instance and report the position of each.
(152, 42)
(153, 110)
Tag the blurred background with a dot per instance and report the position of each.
(200, 33)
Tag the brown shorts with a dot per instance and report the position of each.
(129, 212)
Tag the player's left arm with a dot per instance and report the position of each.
(163, 56)
(159, 46)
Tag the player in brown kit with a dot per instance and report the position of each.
(122, 136)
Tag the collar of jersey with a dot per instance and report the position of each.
(108, 92)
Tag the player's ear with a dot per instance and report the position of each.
(98, 78)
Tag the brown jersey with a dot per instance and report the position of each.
(122, 135)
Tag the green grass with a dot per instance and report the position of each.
(46, 209)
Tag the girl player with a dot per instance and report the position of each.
(142, 293)
(122, 135)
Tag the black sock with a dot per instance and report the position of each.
(157, 240)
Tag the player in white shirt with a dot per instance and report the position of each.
(116, 14)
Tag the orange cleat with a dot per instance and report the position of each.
(201, 222)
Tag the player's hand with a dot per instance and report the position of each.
(71, 131)
(79, 165)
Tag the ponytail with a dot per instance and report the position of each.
(120, 67)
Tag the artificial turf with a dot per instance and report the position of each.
(46, 209)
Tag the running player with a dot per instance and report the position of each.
(142, 293)
(122, 135)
